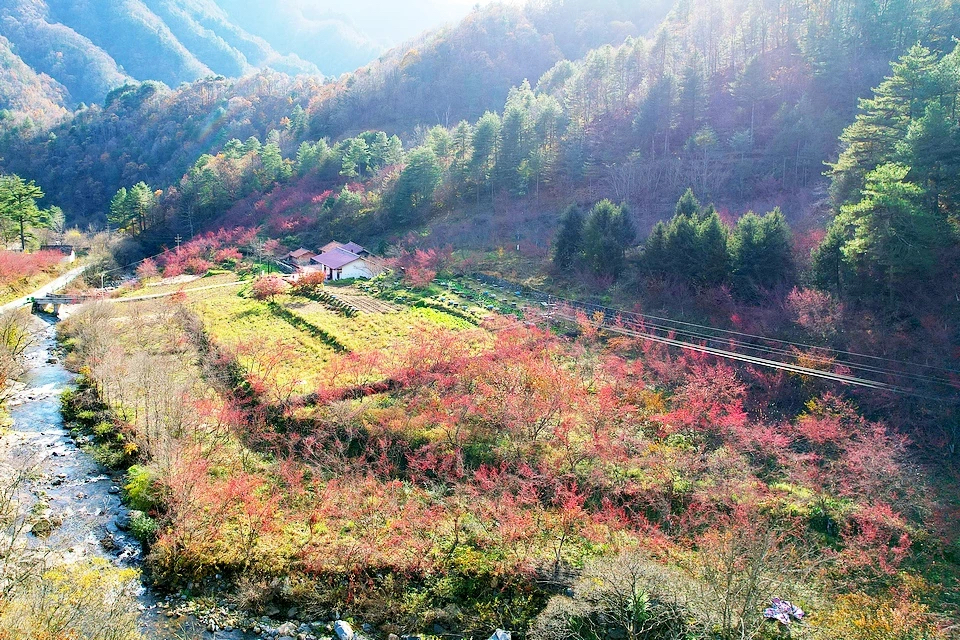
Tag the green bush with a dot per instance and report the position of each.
(103, 430)
(139, 488)
(143, 527)
(108, 456)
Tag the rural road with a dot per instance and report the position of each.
(55, 285)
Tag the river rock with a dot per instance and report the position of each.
(42, 528)
(122, 521)
(343, 630)
(287, 630)
(109, 543)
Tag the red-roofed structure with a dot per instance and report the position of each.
(301, 257)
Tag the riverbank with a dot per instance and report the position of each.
(76, 511)
(75, 508)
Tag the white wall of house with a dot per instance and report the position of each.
(356, 269)
(361, 269)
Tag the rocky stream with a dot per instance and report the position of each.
(78, 512)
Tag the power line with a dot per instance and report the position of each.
(543, 296)
(613, 320)
(774, 364)
(813, 357)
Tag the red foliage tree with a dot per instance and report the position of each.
(268, 287)
(147, 269)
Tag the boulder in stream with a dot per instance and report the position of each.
(42, 528)
(343, 630)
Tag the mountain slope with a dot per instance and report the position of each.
(92, 47)
(26, 93)
(86, 71)
(224, 46)
(459, 72)
(329, 41)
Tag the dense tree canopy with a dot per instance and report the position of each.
(568, 244)
(761, 255)
(607, 233)
(896, 183)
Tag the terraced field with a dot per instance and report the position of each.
(290, 357)
(372, 330)
(363, 302)
(292, 341)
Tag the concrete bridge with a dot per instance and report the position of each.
(40, 303)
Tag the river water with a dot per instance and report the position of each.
(69, 488)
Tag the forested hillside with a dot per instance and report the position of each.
(462, 71)
(150, 133)
(449, 76)
(27, 93)
(743, 104)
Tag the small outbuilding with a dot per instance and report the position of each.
(301, 257)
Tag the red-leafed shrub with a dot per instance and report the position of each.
(18, 267)
(148, 269)
(420, 267)
(815, 311)
(197, 266)
(268, 287)
(309, 283)
(229, 255)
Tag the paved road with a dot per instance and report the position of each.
(47, 289)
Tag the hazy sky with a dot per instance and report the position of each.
(387, 21)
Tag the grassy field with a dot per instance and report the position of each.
(291, 342)
(235, 320)
(372, 331)
(161, 288)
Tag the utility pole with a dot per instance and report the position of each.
(178, 240)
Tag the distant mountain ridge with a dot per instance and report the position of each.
(328, 40)
(79, 50)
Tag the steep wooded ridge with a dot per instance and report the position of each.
(460, 72)
(332, 43)
(452, 74)
(89, 48)
(25, 92)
